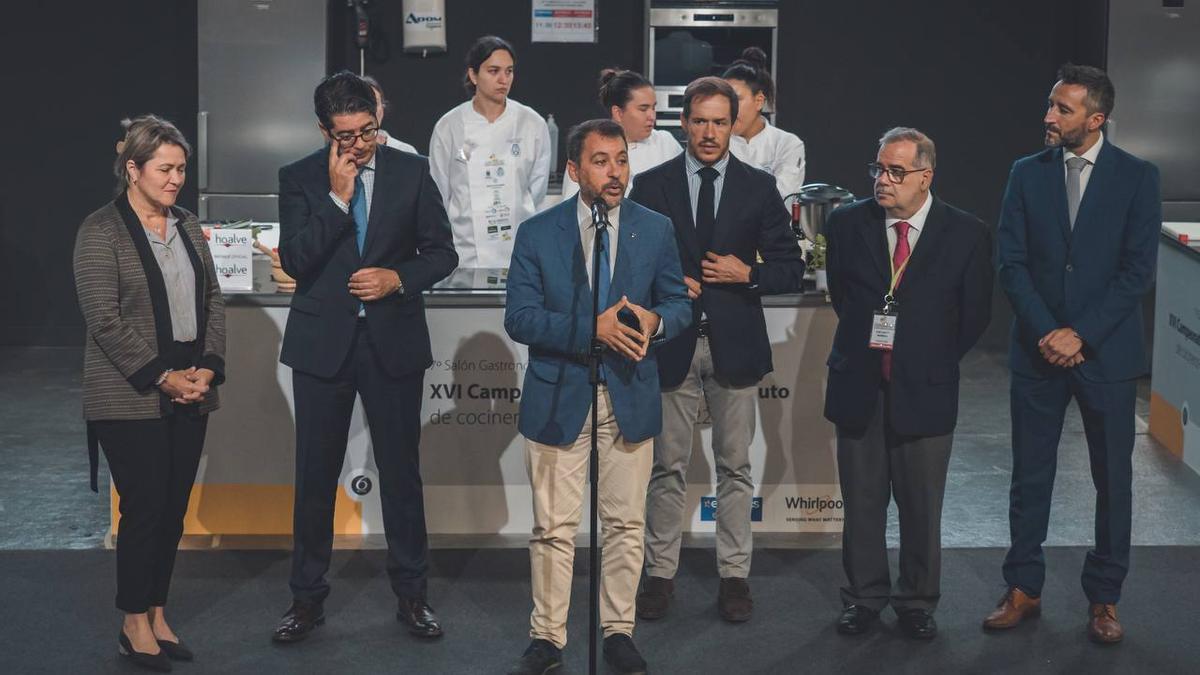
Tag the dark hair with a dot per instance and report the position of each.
(705, 87)
(617, 87)
(579, 133)
(481, 51)
(1101, 96)
(144, 134)
(752, 69)
(342, 93)
(374, 84)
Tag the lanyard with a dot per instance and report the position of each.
(889, 300)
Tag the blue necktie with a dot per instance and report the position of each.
(603, 281)
(358, 208)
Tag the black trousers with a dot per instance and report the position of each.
(875, 464)
(323, 410)
(1039, 406)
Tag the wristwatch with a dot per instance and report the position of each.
(163, 377)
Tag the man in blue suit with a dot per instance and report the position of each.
(1076, 251)
(549, 308)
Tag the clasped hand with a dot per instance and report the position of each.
(625, 340)
(187, 386)
(1062, 347)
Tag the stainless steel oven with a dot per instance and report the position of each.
(686, 40)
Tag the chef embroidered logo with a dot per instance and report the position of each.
(708, 509)
(516, 149)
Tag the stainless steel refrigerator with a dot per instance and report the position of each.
(259, 62)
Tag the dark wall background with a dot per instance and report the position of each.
(70, 74)
(973, 75)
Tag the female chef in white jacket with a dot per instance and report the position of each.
(490, 157)
(628, 97)
(754, 140)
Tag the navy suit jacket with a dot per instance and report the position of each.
(751, 221)
(549, 308)
(1090, 278)
(407, 231)
(945, 303)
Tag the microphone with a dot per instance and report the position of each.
(599, 214)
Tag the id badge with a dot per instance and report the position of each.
(883, 331)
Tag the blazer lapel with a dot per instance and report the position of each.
(376, 207)
(875, 239)
(621, 276)
(1056, 179)
(1100, 179)
(198, 271)
(680, 202)
(925, 255)
(735, 173)
(570, 250)
(159, 304)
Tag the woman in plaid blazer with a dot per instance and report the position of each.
(153, 357)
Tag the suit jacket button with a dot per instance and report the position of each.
(1070, 269)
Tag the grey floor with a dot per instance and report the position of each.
(45, 502)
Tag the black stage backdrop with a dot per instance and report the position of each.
(972, 75)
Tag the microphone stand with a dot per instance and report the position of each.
(600, 223)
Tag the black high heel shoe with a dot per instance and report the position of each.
(158, 662)
(176, 651)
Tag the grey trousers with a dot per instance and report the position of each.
(873, 465)
(732, 412)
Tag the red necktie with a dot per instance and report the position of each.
(899, 256)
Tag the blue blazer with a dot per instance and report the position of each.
(1091, 278)
(549, 308)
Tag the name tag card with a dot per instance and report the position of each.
(883, 331)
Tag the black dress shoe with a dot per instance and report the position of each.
(540, 657)
(419, 617)
(918, 624)
(301, 619)
(176, 651)
(622, 655)
(655, 598)
(856, 619)
(158, 662)
(734, 603)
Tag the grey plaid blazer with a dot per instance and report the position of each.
(125, 307)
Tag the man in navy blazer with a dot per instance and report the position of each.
(736, 246)
(549, 308)
(1077, 243)
(363, 231)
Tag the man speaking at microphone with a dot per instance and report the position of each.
(642, 302)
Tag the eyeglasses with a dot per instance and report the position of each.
(347, 139)
(875, 169)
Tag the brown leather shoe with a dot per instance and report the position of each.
(655, 598)
(733, 600)
(1014, 608)
(1103, 626)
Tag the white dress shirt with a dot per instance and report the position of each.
(915, 225)
(587, 236)
(1091, 155)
